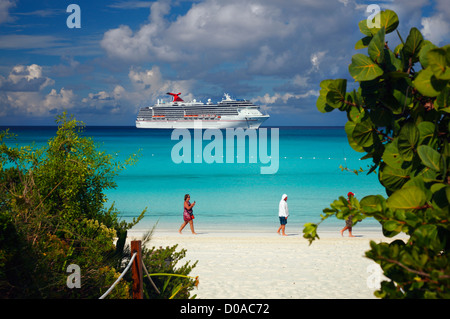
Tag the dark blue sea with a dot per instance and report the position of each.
(234, 196)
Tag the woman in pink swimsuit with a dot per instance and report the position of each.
(188, 216)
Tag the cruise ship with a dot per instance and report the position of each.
(228, 113)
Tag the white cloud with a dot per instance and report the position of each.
(103, 100)
(144, 44)
(131, 4)
(21, 92)
(62, 100)
(269, 62)
(230, 25)
(35, 103)
(316, 59)
(22, 41)
(301, 81)
(25, 79)
(261, 37)
(436, 28)
(147, 85)
(214, 29)
(151, 84)
(5, 5)
(279, 103)
(268, 99)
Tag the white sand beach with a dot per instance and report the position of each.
(261, 265)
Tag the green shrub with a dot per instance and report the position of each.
(399, 117)
(52, 215)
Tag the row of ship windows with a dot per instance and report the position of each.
(186, 119)
(177, 114)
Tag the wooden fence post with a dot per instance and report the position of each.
(136, 269)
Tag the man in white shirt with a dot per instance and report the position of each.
(283, 214)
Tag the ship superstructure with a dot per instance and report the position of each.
(228, 113)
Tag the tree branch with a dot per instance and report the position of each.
(421, 273)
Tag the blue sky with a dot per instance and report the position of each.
(127, 54)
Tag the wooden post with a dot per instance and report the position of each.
(136, 269)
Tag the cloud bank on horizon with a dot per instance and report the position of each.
(129, 53)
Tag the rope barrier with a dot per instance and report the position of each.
(120, 277)
(151, 281)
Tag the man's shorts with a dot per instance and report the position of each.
(283, 220)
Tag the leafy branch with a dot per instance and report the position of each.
(399, 117)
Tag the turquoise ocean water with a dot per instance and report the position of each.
(229, 196)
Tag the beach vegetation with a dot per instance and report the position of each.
(53, 216)
(398, 117)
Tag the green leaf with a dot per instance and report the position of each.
(363, 133)
(407, 141)
(393, 178)
(442, 102)
(437, 62)
(409, 198)
(398, 49)
(391, 225)
(336, 92)
(349, 128)
(381, 117)
(376, 47)
(363, 68)
(363, 28)
(321, 102)
(355, 114)
(394, 65)
(427, 235)
(363, 43)
(430, 157)
(391, 155)
(372, 204)
(413, 44)
(389, 20)
(423, 58)
(427, 131)
(404, 100)
(440, 191)
(427, 84)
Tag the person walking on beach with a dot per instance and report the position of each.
(349, 221)
(188, 216)
(283, 214)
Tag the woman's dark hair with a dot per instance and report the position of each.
(186, 196)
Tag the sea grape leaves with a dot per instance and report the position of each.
(399, 117)
(436, 59)
(407, 141)
(430, 157)
(335, 96)
(363, 133)
(393, 178)
(363, 68)
(413, 44)
(409, 198)
(376, 47)
(321, 103)
(389, 20)
(427, 84)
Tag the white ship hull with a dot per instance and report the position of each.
(252, 123)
